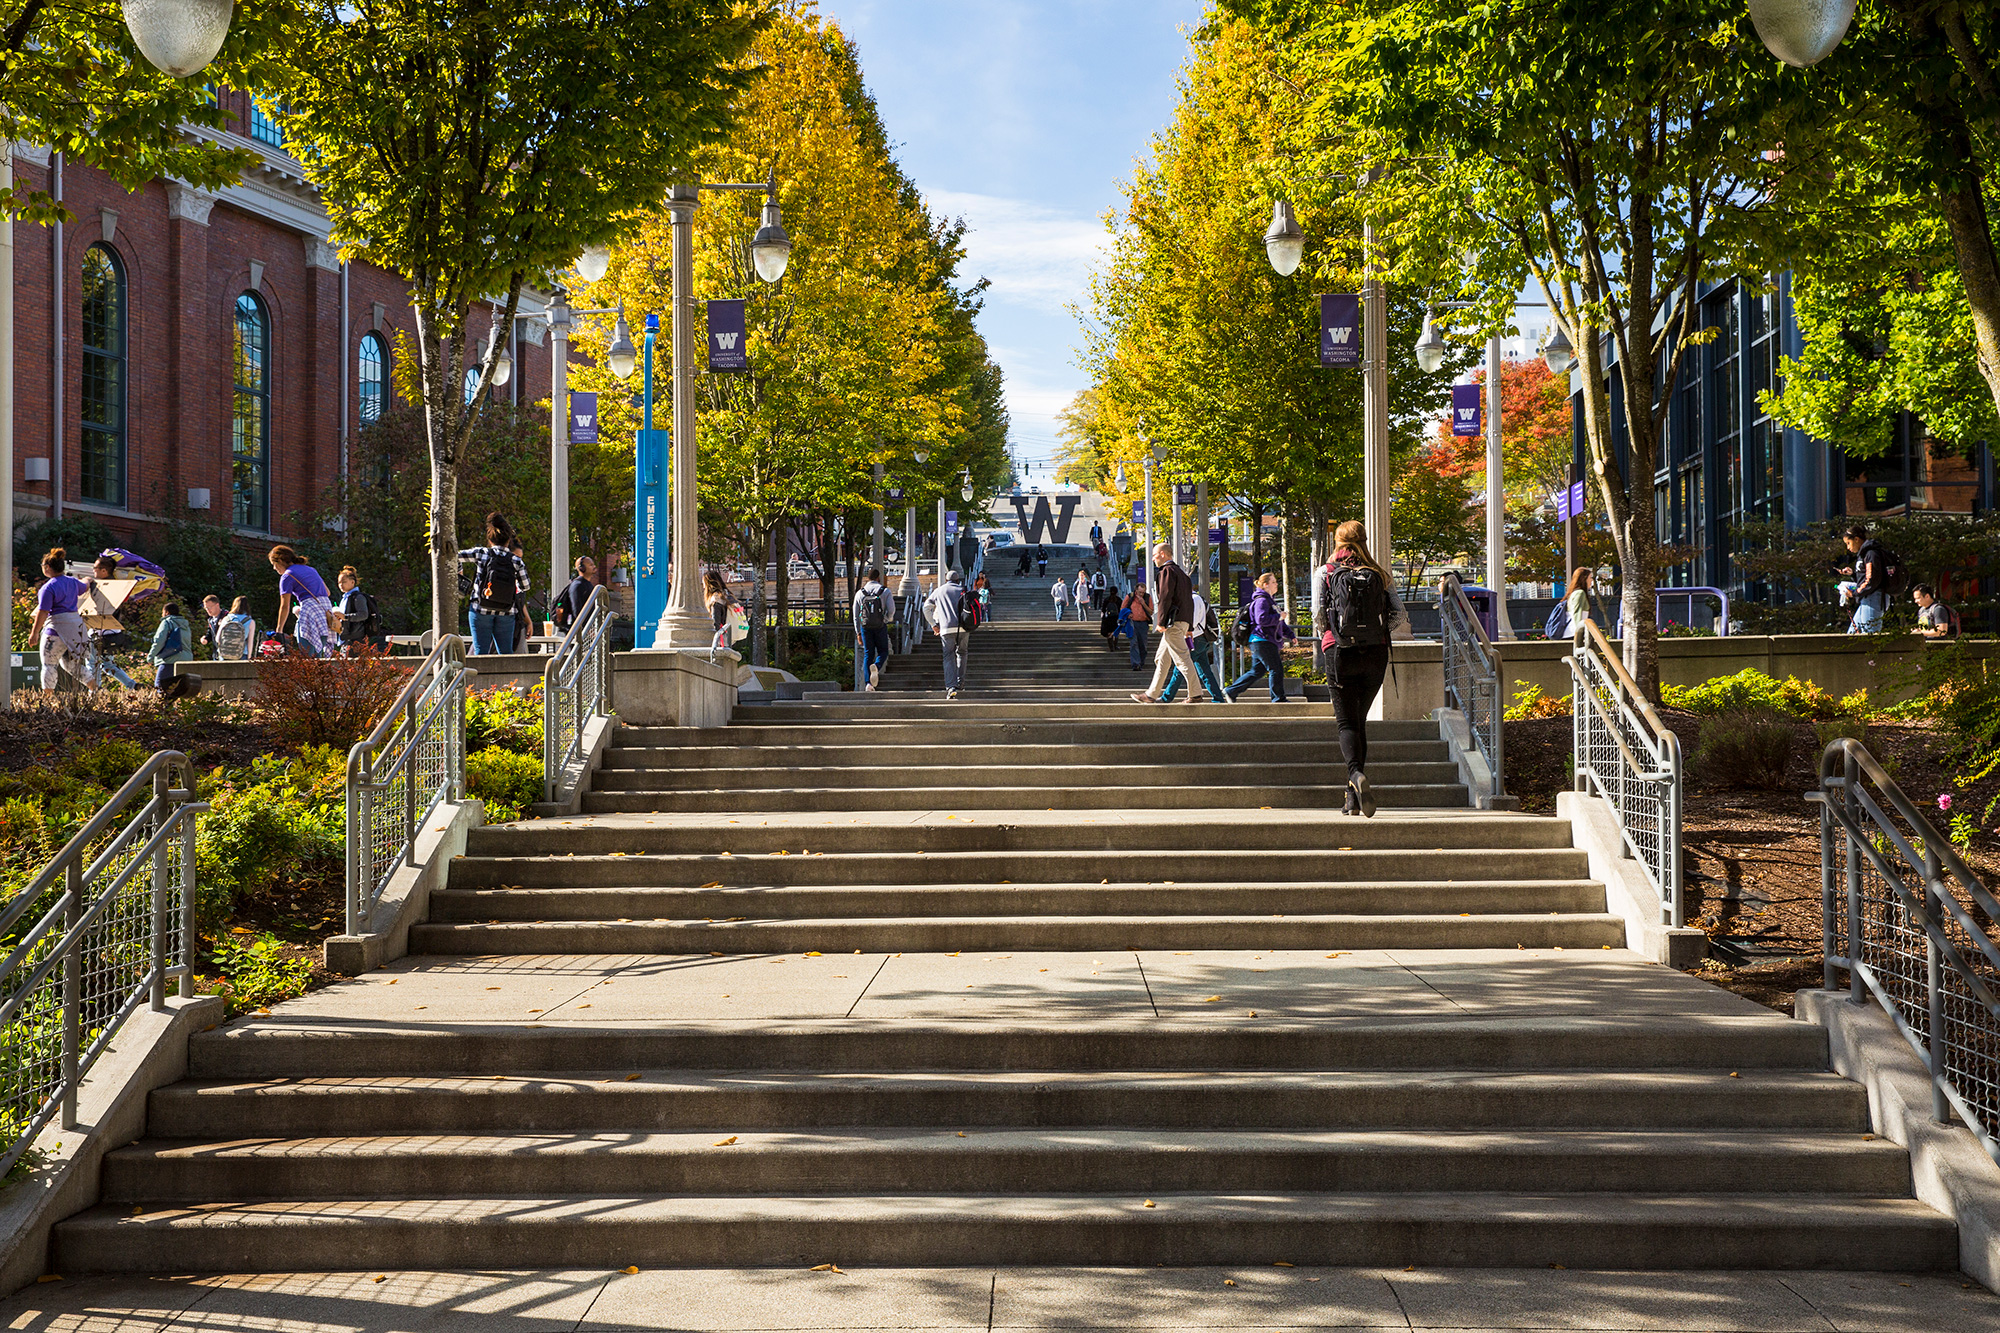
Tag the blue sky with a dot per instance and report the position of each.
(1023, 116)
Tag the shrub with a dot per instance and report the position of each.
(1826, 733)
(1752, 689)
(836, 664)
(277, 819)
(327, 700)
(1530, 702)
(504, 717)
(1745, 747)
(258, 973)
(508, 782)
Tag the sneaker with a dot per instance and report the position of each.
(874, 675)
(951, 694)
(1364, 795)
(1142, 698)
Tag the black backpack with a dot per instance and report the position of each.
(1355, 606)
(968, 612)
(498, 590)
(365, 628)
(1243, 628)
(874, 608)
(1894, 574)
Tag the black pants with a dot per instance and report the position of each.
(1356, 676)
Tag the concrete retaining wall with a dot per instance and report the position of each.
(659, 687)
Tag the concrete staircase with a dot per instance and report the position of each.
(837, 985)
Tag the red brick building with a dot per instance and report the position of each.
(185, 350)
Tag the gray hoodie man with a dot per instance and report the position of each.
(943, 610)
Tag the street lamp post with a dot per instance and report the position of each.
(685, 626)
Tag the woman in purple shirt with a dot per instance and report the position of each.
(58, 629)
(299, 583)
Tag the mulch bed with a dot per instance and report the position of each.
(1751, 857)
(40, 728)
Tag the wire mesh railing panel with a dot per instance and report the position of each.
(1472, 677)
(1912, 924)
(411, 763)
(98, 932)
(1625, 755)
(576, 687)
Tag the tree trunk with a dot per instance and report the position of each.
(440, 421)
(1964, 212)
(782, 652)
(758, 552)
(1226, 585)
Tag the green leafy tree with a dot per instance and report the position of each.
(1431, 513)
(474, 145)
(72, 79)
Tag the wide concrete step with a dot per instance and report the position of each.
(748, 753)
(1003, 1161)
(1238, 898)
(1202, 724)
(944, 770)
(833, 708)
(1646, 1099)
(804, 864)
(1283, 841)
(274, 1047)
(1527, 1230)
(1542, 930)
(1203, 797)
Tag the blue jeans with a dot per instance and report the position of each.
(874, 648)
(1139, 628)
(1868, 613)
(1203, 654)
(1266, 657)
(492, 632)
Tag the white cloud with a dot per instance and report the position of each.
(1037, 257)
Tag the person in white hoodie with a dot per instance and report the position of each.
(874, 610)
(1079, 592)
(1059, 590)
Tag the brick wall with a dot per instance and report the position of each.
(187, 257)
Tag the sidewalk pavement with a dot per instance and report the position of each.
(745, 1300)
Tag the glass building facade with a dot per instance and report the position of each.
(1724, 462)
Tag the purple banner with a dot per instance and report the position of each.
(1570, 503)
(726, 351)
(1465, 419)
(583, 418)
(1184, 493)
(1340, 330)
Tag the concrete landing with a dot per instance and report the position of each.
(973, 1299)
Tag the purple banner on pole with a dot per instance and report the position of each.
(1340, 330)
(950, 523)
(583, 418)
(1465, 417)
(1576, 499)
(726, 336)
(1184, 493)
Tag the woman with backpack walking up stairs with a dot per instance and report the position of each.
(1355, 608)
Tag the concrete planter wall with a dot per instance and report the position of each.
(517, 671)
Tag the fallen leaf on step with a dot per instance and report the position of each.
(961, 1133)
(49, 1277)
(583, 1006)
(1253, 1013)
(713, 884)
(1280, 1263)
(724, 1143)
(1734, 1074)
(392, 982)
(1229, 1282)
(1410, 1269)
(1211, 999)
(423, 1006)
(814, 953)
(1868, 1138)
(1148, 1204)
(632, 1269)
(1465, 914)
(381, 1277)
(1558, 1265)
(492, 988)
(630, 1077)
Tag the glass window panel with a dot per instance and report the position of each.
(102, 414)
(250, 452)
(373, 365)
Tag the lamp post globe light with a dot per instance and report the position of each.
(594, 263)
(622, 357)
(179, 37)
(771, 249)
(1430, 348)
(1801, 32)
(503, 362)
(1284, 240)
(1558, 352)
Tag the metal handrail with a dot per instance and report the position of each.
(1472, 676)
(1905, 887)
(576, 687)
(1624, 752)
(910, 621)
(411, 763)
(104, 938)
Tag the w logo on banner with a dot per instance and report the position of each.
(727, 341)
(1465, 409)
(1339, 330)
(725, 336)
(1056, 529)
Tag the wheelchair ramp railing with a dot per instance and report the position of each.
(576, 689)
(1472, 677)
(1625, 754)
(409, 765)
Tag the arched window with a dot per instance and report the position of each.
(251, 430)
(471, 383)
(103, 415)
(373, 365)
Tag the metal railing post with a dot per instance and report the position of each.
(158, 997)
(187, 903)
(1855, 927)
(72, 993)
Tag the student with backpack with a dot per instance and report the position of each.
(950, 612)
(874, 612)
(1568, 617)
(499, 585)
(575, 594)
(1261, 627)
(1138, 619)
(300, 585)
(1876, 573)
(360, 618)
(173, 642)
(1935, 620)
(1079, 592)
(1355, 609)
(1059, 590)
(236, 633)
